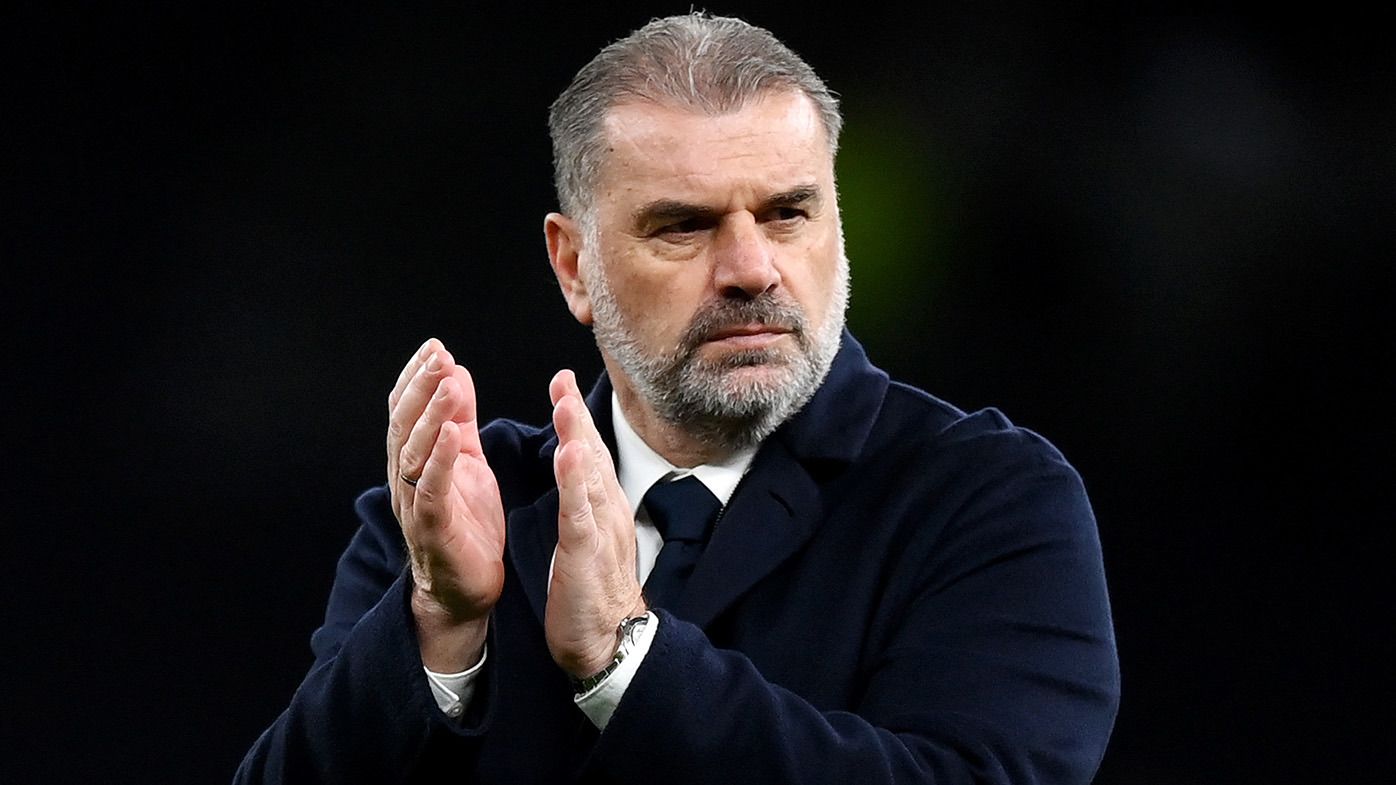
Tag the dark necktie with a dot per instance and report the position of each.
(683, 511)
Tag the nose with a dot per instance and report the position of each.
(744, 258)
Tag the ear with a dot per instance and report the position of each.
(564, 237)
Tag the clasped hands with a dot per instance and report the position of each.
(453, 521)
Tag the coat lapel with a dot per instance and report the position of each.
(532, 536)
(775, 510)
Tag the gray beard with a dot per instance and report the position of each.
(706, 399)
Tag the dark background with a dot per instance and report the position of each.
(1160, 237)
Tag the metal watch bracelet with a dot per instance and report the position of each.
(625, 636)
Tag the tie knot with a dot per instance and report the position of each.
(683, 509)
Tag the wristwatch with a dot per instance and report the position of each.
(626, 632)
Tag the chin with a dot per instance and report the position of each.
(757, 374)
(733, 358)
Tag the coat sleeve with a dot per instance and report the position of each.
(364, 713)
(999, 666)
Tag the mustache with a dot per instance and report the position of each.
(765, 309)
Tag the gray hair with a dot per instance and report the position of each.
(710, 64)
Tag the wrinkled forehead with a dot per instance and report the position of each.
(773, 141)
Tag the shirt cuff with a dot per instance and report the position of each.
(453, 691)
(600, 702)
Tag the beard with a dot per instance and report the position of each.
(721, 401)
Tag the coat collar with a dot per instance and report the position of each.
(775, 510)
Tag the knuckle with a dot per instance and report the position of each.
(421, 377)
(580, 513)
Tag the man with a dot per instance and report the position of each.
(746, 556)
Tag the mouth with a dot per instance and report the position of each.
(747, 336)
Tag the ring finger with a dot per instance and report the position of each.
(439, 408)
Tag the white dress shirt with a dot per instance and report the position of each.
(638, 468)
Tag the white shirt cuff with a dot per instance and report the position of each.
(453, 691)
(601, 701)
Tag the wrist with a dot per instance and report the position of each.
(447, 643)
(604, 644)
(628, 632)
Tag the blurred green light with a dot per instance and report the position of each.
(893, 221)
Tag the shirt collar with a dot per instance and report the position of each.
(640, 466)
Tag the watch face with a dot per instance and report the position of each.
(629, 628)
(626, 633)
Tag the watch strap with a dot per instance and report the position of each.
(625, 637)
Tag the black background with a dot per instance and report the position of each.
(1160, 237)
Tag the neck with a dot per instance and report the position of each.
(673, 443)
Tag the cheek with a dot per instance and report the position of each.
(812, 275)
(664, 296)
(666, 310)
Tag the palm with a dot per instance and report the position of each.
(472, 544)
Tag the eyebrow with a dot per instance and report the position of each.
(673, 210)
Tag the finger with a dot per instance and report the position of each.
(429, 500)
(423, 437)
(412, 402)
(573, 427)
(396, 486)
(564, 386)
(593, 468)
(466, 413)
(563, 381)
(610, 511)
(576, 521)
(410, 369)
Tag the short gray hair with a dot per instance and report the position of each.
(710, 64)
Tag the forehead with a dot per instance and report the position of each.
(769, 145)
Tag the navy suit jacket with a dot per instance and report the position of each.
(897, 592)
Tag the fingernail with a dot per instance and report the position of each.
(424, 349)
(434, 364)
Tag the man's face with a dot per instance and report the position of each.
(714, 267)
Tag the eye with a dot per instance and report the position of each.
(687, 226)
(785, 215)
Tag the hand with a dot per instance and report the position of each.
(452, 519)
(594, 585)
